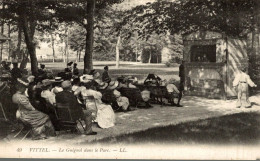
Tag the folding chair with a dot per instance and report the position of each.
(93, 100)
(2, 109)
(64, 118)
(26, 127)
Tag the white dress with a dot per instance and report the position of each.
(105, 114)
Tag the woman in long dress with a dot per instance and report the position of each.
(241, 82)
(105, 115)
(40, 122)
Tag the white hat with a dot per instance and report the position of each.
(113, 85)
(86, 78)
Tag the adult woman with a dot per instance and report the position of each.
(40, 122)
(105, 115)
(57, 85)
(46, 93)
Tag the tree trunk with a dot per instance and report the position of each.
(28, 35)
(88, 64)
(150, 58)
(117, 51)
(24, 60)
(254, 57)
(9, 42)
(19, 39)
(53, 49)
(79, 55)
(2, 44)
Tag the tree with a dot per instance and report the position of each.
(83, 13)
(31, 15)
(233, 17)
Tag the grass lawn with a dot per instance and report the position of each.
(241, 128)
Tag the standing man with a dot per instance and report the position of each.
(105, 75)
(182, 81)
(241, 82)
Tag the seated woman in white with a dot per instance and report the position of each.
(105, 115)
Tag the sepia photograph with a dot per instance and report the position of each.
(130, 79)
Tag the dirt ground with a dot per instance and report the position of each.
(195, 108)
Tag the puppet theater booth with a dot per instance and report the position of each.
(212, 60)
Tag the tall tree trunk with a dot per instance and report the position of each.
(117, 51)
(19, 41)
(53, 49)
(66, 46)
(9, 41)
(2, 44)
(88, 64)
(28, 35)
(24, 60)
(79, 55)
(254, 57)
(150, 57)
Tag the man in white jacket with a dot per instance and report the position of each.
(241, 82)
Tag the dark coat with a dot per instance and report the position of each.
(68, 99)
(105, 77)
(181, 73)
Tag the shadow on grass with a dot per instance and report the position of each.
(242, 128)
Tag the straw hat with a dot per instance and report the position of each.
(58, 79)
(103, 85)
(86, 78)
(31, 78)
(23, 81)
(113, 85)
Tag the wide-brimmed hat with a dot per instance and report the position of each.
(31, 78)
(58, 79)
(46, 82)
(86, 78)
(113, 85)
(103, 85)
(70, 63)
(23, 81)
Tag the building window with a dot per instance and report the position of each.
(203, 53)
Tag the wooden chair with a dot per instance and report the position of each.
(65, 119)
